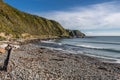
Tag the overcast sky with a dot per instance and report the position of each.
(93, 17)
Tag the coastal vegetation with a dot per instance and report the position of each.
(18, 24)
(27, 58)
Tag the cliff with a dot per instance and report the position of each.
(17, 24)
(75, 34)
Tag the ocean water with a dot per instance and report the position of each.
(101, 46)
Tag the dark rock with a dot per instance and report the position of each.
(75, 34)
(102, 68)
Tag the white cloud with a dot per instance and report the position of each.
(104, 33)
(93, 17)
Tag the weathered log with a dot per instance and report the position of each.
(6, 61)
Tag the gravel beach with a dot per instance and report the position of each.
(31, 62)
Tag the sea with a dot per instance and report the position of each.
(98, 46)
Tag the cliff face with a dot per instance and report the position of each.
(75, 34)
(17, 24)
(20, 24)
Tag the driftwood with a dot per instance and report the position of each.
(6, 61)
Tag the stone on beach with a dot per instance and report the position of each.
(31, 62)
(3, 45)
(2, 50)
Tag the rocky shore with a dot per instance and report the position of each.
(31, 62)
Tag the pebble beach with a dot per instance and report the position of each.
(31, 62)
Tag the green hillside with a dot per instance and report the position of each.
(17, 24)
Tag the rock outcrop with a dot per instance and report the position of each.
(75, 34)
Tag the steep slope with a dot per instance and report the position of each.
(75, 34)
(14, 23)
(17, 24)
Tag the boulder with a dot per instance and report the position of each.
(2, 50)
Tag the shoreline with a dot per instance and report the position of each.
(104, 59)
(34, 62)
(30, 60)
(101, 58)
(21, 42)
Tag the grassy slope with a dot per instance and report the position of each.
(15, 22)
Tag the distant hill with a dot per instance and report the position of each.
(17, 24)
(75, 34)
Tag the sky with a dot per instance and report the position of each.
(93, 17)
